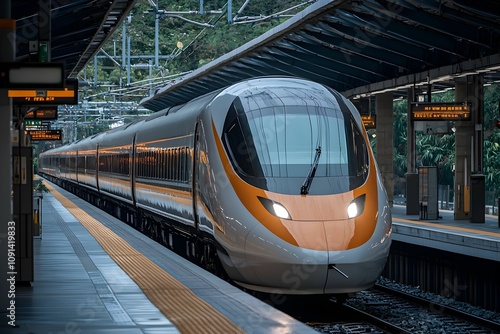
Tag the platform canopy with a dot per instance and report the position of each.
(78, 28)
(360, 48)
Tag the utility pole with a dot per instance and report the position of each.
(157, 19)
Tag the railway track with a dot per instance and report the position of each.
(467, 319)
(394, 311)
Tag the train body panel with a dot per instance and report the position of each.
(278, 172)
(87, 161)
(48, 163)
(164, 163)
(68, 164)
(114, 162)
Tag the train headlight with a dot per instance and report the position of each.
(352, 210)
(356, 207)
(280, 211)
(275, 208)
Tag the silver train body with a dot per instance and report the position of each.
(278, 172)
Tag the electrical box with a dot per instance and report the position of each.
(428, 192)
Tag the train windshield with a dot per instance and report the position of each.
(273, 146)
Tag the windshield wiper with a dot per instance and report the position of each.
(304, 189)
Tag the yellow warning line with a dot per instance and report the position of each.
(463, 229)
(188, 312)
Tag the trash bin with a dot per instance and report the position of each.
(37, 215)
(477, 200)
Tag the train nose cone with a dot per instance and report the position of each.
(282, 267)
(322, 235)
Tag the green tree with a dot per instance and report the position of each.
(439, 151)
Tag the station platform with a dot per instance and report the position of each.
(94, 274)
(480, 240)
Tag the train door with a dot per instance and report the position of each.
(196, 176)
(203, 190)
(132, 168)
(96, 166)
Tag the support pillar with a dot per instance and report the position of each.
(468, 146)
(385, 142)
(412, 187)
(8, 47)
(411, 148)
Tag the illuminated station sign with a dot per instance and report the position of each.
(48, 113)
(440, 112)
(369, 121)
(41, 135)
(68, 95)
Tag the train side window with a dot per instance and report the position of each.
(169, 165)
(183, 164)
(101, 162)
(165, 164)
(177, 164)
(160, 163)
(119, 164)
(157, 163)
(167, 161)
(114, 163)
(81, 162)
(153, 162)
(186, 164)
(107, 163)
(140, 164)
(143, 164)
(148, 161)
(172, 165)
(124, 164)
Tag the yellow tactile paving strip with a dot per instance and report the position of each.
(188, 312)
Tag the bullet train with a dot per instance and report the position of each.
(271, 180)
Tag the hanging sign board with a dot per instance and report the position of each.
(32, 75)
(42, 113)
(35, 97)
(41, 135)
(440, 111)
